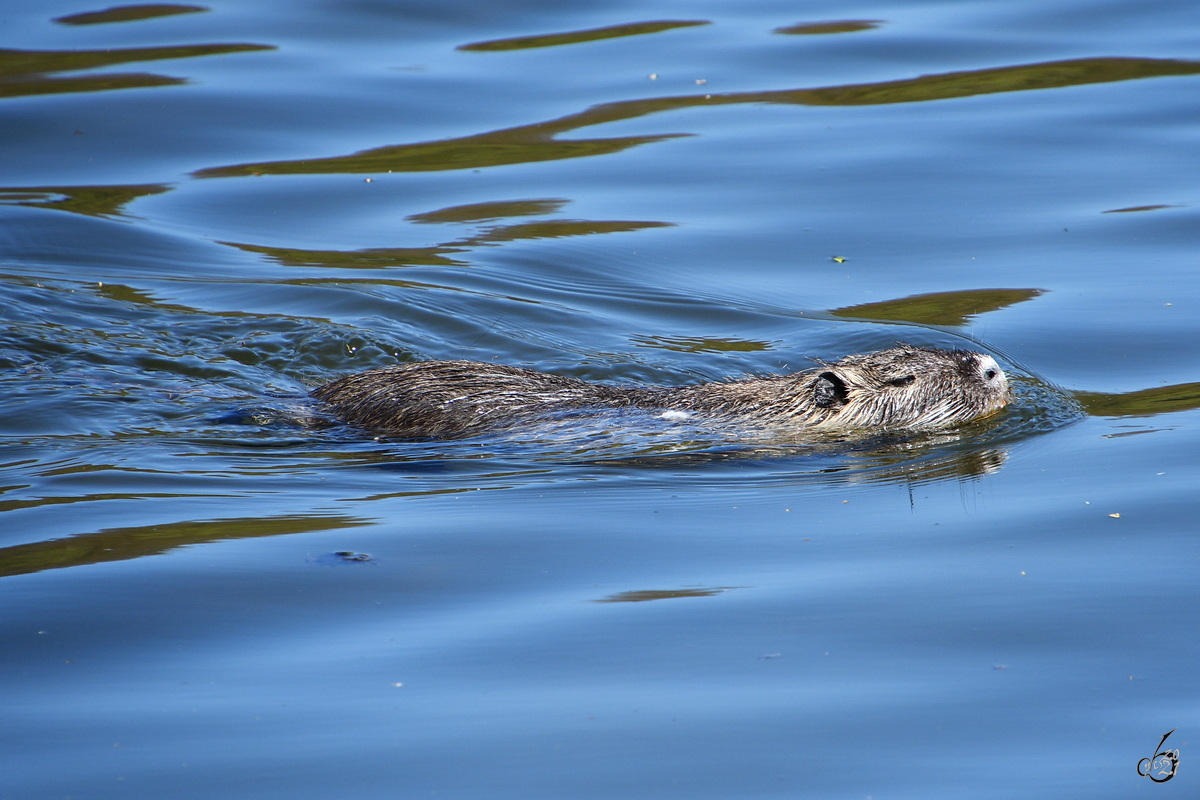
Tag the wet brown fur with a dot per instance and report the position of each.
(903, 387)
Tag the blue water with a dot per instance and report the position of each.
(204, 215)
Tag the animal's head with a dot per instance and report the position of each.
(909, 387)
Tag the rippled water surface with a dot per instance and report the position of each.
(213, 588)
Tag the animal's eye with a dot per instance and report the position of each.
(990, 374)
(905, 381)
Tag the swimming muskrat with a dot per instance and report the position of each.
(903, 387)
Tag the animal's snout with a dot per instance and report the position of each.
(992, 376)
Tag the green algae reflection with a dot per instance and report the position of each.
(526, 144)
(664, 594)
(839, 26)
(1155, 207)
(940, 308)
(28, 72)
(371, 258)
(695, 344)
(1146, 402)
(439, 255)
(521, 145)
(122, 544)
(92, 201)
(128, 13)
(574, 37)
(485, 212)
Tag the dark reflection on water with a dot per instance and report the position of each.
(526, 144)
(837, 26)
(693, 344)
(575, 37)
(486, 212)
(1138, 208)
(120, 544)
(951, 309)
(59, 500)
(129, 13)
(371, 258)
(29, 72)
(643, 595)
(521, 145)
(558, 228)
(901, 463)
(964, 453)
(343, 558)
(1146, 402)
(92, 201)
(896, 468)
(780, 466)
(436, 255)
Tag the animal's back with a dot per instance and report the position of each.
(456, 398)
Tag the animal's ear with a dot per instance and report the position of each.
(829, 390)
